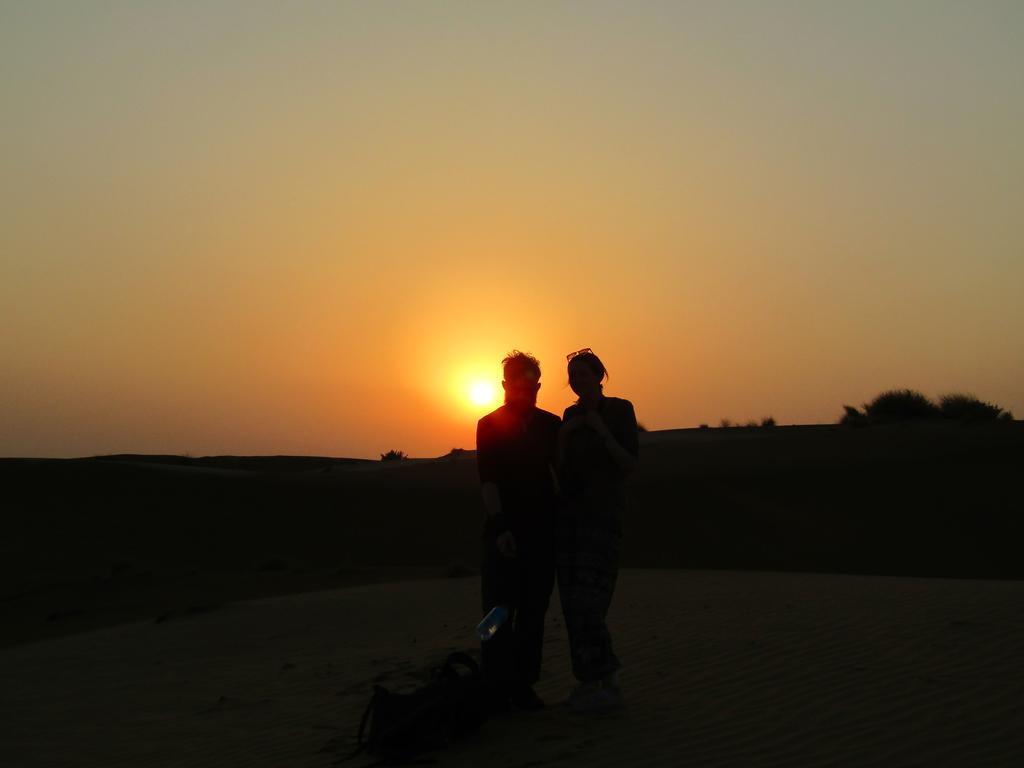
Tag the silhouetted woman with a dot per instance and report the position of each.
(597, 448)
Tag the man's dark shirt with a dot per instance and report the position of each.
(515, 451)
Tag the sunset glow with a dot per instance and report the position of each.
(252, 229)
(483, 394)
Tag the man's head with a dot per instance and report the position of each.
(521, 379)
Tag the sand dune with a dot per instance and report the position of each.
(95, 542)
(722, 668)
(125, 643)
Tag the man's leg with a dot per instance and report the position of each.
(537, 581)
(498, 587)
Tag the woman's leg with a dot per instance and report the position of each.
(586, 583)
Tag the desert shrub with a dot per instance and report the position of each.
(393, 455)
(909, 405)
(703, 426)
(725, 423)
(852, 417)
(768, 421)
(968, 408)
(901, 405)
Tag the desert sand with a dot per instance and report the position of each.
(721, 668)
(773, 608)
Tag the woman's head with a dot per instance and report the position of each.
(586, 372)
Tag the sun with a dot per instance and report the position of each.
(482, 393)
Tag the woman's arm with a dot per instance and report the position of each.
(625, 460)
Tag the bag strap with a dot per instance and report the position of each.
(449, 670)
(362, 743)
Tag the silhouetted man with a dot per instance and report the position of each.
(515, 454)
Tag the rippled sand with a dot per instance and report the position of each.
(721, 668)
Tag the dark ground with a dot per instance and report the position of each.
(91, 542)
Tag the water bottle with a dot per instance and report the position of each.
(491, 623)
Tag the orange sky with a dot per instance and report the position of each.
(249, 230)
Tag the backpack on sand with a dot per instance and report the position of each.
(398, 727)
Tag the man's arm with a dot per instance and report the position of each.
(492, 500)
(487, 468)
(496, 522)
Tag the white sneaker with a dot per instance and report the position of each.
(599, 700)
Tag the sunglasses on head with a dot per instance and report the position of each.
(584, 351)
